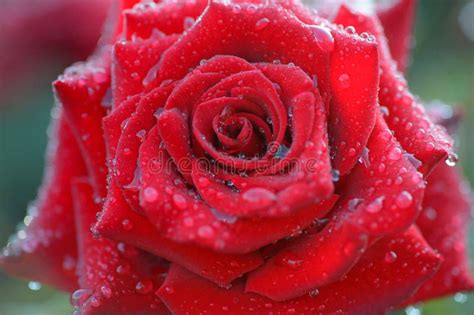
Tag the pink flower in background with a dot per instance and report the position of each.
(52, 32)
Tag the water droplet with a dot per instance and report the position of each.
(206, 231)
(324, 38)
(261, 196)
(376, 205)
(141, 134)
(224, 217)
(390, 257)
(261, 24)
(78, 297)
(336, 175)
(144, 287)
(180, 201)
(251, 8)
(127, 225)
(34, 285)
(188, 22)
(345, 81)
(69, 263)
(313, 293)
(123, 269)
(106, 291)
(354, 203)
(384, 110)
(289, 259)
(411, 310)
(350, 29)
(364, 158)
(395, 154)
(236, 9)
(150, 194)
(431, 213)
(452, 160)
(460, 297)
(404, 200)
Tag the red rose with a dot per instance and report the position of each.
(239, 161)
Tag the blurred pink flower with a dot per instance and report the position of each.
(35, 33)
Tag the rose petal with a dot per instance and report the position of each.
(445, 225)
(125, 168)
(179, 215)
(354, 78)
(397, 21)
(48, 253)
(168, 18)
(135, 64)
(377, 200)
(372, 286)
(80, 91)
(114, 277)
(119, 222)
(222, 30)
(407, 118)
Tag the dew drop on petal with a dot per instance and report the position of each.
(313, 293)
(106, 291)
(344, 81)
(376, 205)
(78, 297)
(390, 257)
(261, 196)
(261, 24)
(324, 38)
(144, 287)
(127, 225)
(206, 231)
(180, 201)
(452, 160)
(150, 194)
(289, 259)
(404, 200)
(395, 154)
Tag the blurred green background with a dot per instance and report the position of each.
(442, 68)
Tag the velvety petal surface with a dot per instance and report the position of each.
(444, 223)
(373, 285)
(397, 18)
(45, 249)
(417, 134)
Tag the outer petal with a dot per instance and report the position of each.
(427, 141)
(114, 278)
(397, 21)
(134, 64)
(119, 222)
(80, 91)
(372, 286)
(45, 250)
(445, 222)
(379, 198)
(168, 18)
(354, 75)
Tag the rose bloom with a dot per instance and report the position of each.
(237, 157)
